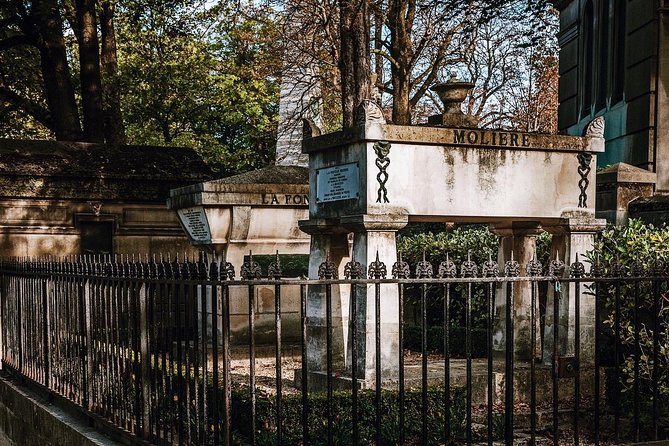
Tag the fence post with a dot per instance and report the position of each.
(84, 328)
(45, 329)
(19, 327)
(145, 362)
(3, 313)
(89, 343)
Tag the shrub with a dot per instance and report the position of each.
(633, 246)
(476, 241)
(342, 420)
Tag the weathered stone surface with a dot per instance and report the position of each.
(653, 210)
(617, 186)
(253, 212)
(459, 174)
(518, 182)
(28, 419)
(54, 169)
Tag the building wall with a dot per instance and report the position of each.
(54, 227)
(620, 84)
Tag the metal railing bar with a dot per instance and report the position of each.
(252, 360)
(215, 367)
(554, 366)
(328, 360)
(577, 357)
(533, 384)
(616, 354)
(305, 376)
(508, 366)
(377, 361)
(423, 349)
(637, 353)
(278, 368)
(468, 354)
(597, 397)
(354, 365)
(400, 341)
(656, 342)
(489, 375)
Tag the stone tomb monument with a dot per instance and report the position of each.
(253, 212)
(371, 180)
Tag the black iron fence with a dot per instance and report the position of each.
(145, 345)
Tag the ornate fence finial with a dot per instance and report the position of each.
(511, 267)
(226, 270)
(377, 269)
(468, 267)
(274, 270)
(354, 270)
(534, 268)
(424, 269)
(328, 270)
(556, 266)
(490, 267)
(447, 269)
(401, 269)
(250, 270)
(597, 269)
(577, 269)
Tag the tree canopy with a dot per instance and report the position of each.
(206, 74)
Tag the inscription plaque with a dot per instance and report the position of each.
(337, 183)
(194, 220)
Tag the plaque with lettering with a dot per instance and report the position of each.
(194, 221)
(338, 183)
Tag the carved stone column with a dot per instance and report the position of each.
(330, 249)
(573, 237)
(375, 235)
(519, 238)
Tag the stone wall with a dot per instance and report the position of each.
(54, 227)
(66, 198)
(28, 419)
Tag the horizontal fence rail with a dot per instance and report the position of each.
(145, 345)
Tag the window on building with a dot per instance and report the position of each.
(587, 59)
(619, 37)
(604, 45)
(96, 237)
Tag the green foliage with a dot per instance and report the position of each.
(474, 241)
(342, 420)
(189, 78)
(644, 244)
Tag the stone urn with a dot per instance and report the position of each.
(451, 94)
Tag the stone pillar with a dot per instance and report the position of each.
(574, 236)
(375, 234)
(329, 242)
(521, 239)
(617, 186)
(662, 98)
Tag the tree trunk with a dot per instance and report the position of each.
(89, 71)
(113, 120)
(400, 21)
(56, 71)
(354, 64)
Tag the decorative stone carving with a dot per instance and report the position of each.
(310, 129)
(368, 112)
(584, 160)
(596, 128)
(382, 149)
